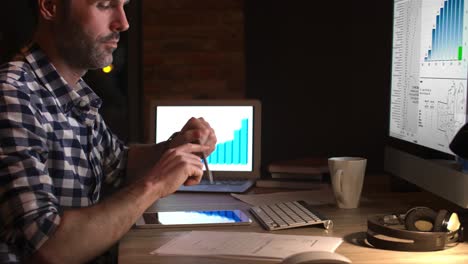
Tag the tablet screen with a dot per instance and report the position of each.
(194, 218)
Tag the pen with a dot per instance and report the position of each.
(210, 175)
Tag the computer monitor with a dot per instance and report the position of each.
(237, 124)
(428, 100)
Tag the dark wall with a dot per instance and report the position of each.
(321, 69)
(17, 22)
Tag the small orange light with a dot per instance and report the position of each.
(108, 68)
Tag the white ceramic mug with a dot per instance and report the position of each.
(347, 177)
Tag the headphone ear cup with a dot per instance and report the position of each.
(420, 219)
(439, 220)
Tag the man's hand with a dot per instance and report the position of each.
(196, 130)
(177, 166)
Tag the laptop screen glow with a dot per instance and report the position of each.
(233, 126)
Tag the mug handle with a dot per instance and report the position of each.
(338, 187)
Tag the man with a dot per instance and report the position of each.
(55, 149)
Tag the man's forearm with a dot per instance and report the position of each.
(141, 158)
(92, 230)
(88, 232)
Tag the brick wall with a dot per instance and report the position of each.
(192, 49)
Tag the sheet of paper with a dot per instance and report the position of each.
(245, 244)
(311, 197)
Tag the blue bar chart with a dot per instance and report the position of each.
(447, 33)
(233, 151)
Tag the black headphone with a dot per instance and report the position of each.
(419, 229)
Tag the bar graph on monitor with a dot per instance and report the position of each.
(447, 32)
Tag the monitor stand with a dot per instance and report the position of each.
(438, 177)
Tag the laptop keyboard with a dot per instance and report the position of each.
(285, 215)
(221, 182)
(223, 186)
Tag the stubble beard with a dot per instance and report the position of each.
(79, 49)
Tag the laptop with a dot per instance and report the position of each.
(235, 162)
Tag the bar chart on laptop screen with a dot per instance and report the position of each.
(233, 126)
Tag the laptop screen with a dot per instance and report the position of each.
(236, 124)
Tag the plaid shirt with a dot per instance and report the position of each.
(55, 151)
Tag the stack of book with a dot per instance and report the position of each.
(304, 173)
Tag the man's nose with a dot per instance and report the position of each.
(120, 22)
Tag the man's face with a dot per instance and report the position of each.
(87, 31)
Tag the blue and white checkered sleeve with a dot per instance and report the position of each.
(115, 154)
(29, 211)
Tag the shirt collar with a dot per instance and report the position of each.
(81, 97)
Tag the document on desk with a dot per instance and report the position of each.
(245, 245)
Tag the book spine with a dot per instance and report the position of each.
(290, 184)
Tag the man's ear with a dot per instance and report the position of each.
(47, 9)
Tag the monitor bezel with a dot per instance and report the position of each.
(257, 113)
(417, 149)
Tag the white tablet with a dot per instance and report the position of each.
(193, 218)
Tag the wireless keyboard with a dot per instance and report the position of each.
(285, 215)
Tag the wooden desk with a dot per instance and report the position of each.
(350, 224)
